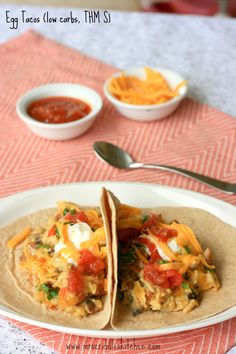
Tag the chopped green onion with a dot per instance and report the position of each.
(185, 285)
(72, 212)
(187, 249)
(43, 287)
(57, 232)
(162, 261)
(65, 211)
(193, 295)
(49, 291)
(144, 218)
(209, 269)
(42, 245)
(53, 293)
(68, 223)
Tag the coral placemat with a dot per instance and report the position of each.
(196, 137)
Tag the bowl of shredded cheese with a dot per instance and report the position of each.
(144, 93)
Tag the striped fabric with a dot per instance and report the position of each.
(196, 137)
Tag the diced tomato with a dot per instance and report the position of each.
(52, 231)
(76, 283)
(127, 234)
(165, 279)
(156, 277)
(163, 234)
(90, 264)
(154, 255)
(174, 277)
(152, 225)
(153, 220)
(77, 216)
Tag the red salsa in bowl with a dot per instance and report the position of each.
(58, 110)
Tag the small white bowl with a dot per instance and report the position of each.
(63, 131)
(152, 112)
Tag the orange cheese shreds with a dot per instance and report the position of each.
(64, 232)
(170, 265)
(140, 256)
(153, 90)
(94, 220)
(13, 242)
(128, 216)
(125, 211)
(129, 222)
(98, 236)
(185, 237)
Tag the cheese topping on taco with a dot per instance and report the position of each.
(161, 266)
(66, 262)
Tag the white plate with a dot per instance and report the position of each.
(139, 194)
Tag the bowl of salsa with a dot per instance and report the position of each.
(59, 111)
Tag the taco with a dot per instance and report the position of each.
(171, 266)
(56, 265)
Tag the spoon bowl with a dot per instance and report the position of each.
(113, 155)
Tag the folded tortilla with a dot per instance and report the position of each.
(211, 232)
(15, 291)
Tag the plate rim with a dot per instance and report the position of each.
(112, 333)
(109, 333)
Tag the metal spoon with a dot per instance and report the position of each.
(119, 158)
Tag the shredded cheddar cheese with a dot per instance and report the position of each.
(93, 219)
(129, 222)
(97, 237)
(170, 265)
(52, 257)
(141, 257)
(125, 211)
(13, 242)
(153, 90)
(185, 236)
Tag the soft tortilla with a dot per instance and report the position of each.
(15, 289)
(211, 232)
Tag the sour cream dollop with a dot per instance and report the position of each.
(77, 234)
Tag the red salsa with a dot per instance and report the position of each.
(56, 110)
(165, 279)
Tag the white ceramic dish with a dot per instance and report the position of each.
(60, 131)
(146, 113)
(139, 194)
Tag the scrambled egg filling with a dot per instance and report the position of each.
(161, 266)
(66, 262)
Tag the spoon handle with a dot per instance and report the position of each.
(226, 187)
